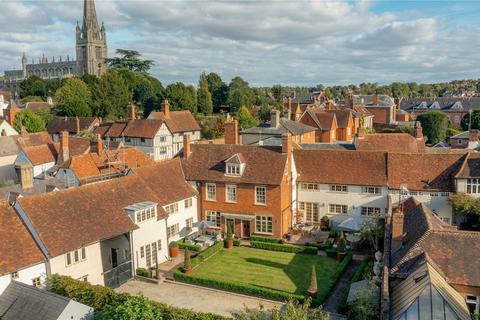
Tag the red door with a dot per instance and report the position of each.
(246, 229)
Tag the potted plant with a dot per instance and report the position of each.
(173, 249)
(312, 288)
(341, 247)
(187, 263)
(324, 223)
(229, 237)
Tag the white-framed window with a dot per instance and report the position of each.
(371, 190)
(146, 214)
(338, 188)
(148, 255)
(337, 208)
(309, 186)
(172, 208)
(232, 169)
(188, 203)
(446, 220)
(173, 230)
(213, 216)
(211, 191)
(14, 275)
(162, 150)
(263, 224)
(159, 245)
(311, 210)
(37, 282)
(371, 211)
(75, 256)
(231, 193)
(83, 278)
(473, 185)
(189, 223)
(162, 138)
(261, 195)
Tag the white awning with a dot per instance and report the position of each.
(237, 216)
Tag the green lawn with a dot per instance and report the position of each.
(281, 271)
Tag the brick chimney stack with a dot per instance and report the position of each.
(418, 133)
(132, 114)
(287, 148)
(64, 153)
(77, 124)
(375, 99)
(397, 228)
(186, 146)
(349, 99)
(231, 132)
(99, 145)
(274, 118)
(472, 135)
(166, 108)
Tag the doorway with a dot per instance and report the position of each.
(245, 229)
(114, 257)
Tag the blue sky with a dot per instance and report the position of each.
(266, 42)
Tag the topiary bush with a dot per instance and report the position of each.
(187, 263)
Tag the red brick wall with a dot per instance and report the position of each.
(380, 114)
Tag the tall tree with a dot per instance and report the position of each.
(239, 90)
(182, 97)
(475, 121)
(237, 100)
(111, 96)
(245, 118)
(218, 89)
(28, 120)
(278, 91)
(33, 86)
(130, 59)
(73, 99)
(435, 125)
(204, 97)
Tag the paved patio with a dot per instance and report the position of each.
(301, 239)
(196, 298)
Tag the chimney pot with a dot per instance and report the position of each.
(64, 153)
(418, 133)
(166, 108)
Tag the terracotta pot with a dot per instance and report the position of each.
(229, 243)
(341, 256)
(188, 271)
(312, 294)
(174, 252)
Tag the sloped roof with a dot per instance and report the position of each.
(18, 249)
(8, 146)
(26, 139)
(37, 105)
(286, 125)
(470, 167)
(343, 117)
(263, 165)
(178, 121)
(390, 142)
(59, 124)
(41, 154)
(110, 129)
(446, 104)
(142, 128)
(324, 120)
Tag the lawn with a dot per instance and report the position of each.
(282, 271)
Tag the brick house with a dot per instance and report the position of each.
(324, 122)
(465, 140)
(248, 187)
(345, 124)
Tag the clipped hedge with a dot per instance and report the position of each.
(266, 239)
(238, 287)
(343, 307)
(283, 247)
(236, 243)
(331, 252)
(321, 246)
(191, 247)
(142, 272)
(205, 254)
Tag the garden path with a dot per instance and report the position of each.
(331, 305)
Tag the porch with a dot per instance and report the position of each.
(116, 260)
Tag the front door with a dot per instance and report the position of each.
(246, 229)
(114, 258)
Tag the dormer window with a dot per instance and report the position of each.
(233, 169)
(235, 165)
(142, 211)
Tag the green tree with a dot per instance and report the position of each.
(239, 94)
(187, 262)
(291, 311)
(475, 124)
(73, 99)
(277, 91)
(204, 97)
(130, 59)
(111, 96)
(33, 86)
(435, 125)
(28, 120)
(237, 100)
(213, 128)
(264, 113)
(133, 308)
(218, 89)
(143, 92)
(245, 118)
(182, 97)
(464, 204)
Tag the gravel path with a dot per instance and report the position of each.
(331, 305)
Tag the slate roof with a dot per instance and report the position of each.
(367, 100)
(390, 142)
(59, 124)
(470, 167)
(286, 125)
(18, 249)
(178, 121)
(327, 146)
(110, 129)
(21, 301)
(444, 104)
(142, 128)
(342, 116)
(263, 165)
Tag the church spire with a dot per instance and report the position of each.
(89, 13)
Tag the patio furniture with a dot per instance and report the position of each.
(307, 230)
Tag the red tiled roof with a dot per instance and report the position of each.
(18, 249)
(26, 139)
(179, 121)
(324, 120)
(47, 153)
(59, 124)
(263, 165)
(142, 128)
(343, 117)
(390, 142)
(37, 106)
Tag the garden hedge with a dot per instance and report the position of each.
(236, 243)
(142, 272)
(202, 256)
(191, 247)
(331, 252)
(321, 246)
(283, 247)
(238, 287)
(343, 307)
(266, 239)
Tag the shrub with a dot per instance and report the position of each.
(191, 247)
(142, 272)
(331, 252)
(205, 254)
(342, 307)
(332, 234)
(341, 243)
(313, 280)
(187, 263)
(173, 244)
(229, 232)
(283, 247)
(266, 239)
(320, 246)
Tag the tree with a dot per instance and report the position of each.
(218, 89)
(264, 113)
(434, 124)
(28, 120)
(187, 263)
(373, 232)
(277, 91)
(143, 92)
(133, 308)
(182, 97)
(245, 118)
(204, 97)
(129, 59)
(312, 288)
(239, 94)
(111, 96)
(213, 128)
(464, 204)
(33, 86)
(73, 99)
(475, 124)
(237, 100)
(291, 311)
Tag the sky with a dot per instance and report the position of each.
(289, 42)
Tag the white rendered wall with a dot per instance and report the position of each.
(25, 276)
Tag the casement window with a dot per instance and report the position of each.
(263, 224)
(261, 195)
(311, 211)
(371, 211)
(309, 186)
(142, 251)
(162, 138)
(473, 185)
(446, 220)
(162, 150)
(371, 190)
(173, 230)
(189, 223)
(171, 208)
(148, 255)
(232, 169)
(142, 140)
(213, 216)
(337, 208)
(128, 140)
(159, 245)
(14, 275)
(231, 193)
(211, 191)
(146, 214)
(37, 282)
(338, 188)
(188, 203)
(75, 256)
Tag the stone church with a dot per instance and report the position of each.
(91, 52)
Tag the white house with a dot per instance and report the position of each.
(6, 129)
(8, 153)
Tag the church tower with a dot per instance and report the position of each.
(91, 42)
